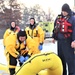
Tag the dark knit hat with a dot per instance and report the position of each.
(66, 8)
(22, 32)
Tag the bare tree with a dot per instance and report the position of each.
(35, 11)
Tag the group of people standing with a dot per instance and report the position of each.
(22, 44)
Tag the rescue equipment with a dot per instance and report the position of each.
(63, 26)
(42, 64)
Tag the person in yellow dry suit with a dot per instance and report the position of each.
(19, 47)
(13, 29)
(36, 33)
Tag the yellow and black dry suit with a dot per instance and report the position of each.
(8, 32)
(12, 51)
(37, 34)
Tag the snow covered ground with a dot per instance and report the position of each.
(2, 56)
(48, 46)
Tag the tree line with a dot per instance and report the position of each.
(11, 10)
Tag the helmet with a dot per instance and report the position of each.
(22, 32)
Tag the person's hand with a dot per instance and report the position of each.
(27, 57)
(73, 44)
(53, 40)
(21, 59)
(40, 47)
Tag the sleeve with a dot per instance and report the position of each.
(54, 34)
(41, 34)
(73, 28)
(31, 45)
(5, 36)
(10, 45)
(26, 29)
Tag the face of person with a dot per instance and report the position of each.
(64, 13)
(13, 24)
(32, 21)
(22, 38)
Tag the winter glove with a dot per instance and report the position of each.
(21, 59)
(40, 47)
(27, 57)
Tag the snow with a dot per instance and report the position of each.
(2, 56)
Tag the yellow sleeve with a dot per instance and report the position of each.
(27, 29)
(31, 45)
(6, 34)
(10, 45)
(41, 34)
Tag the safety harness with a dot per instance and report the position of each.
(63, 26)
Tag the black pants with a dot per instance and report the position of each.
(66, 53)
(12, 71)
(12, 62)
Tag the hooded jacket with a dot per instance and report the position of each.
(12, 44)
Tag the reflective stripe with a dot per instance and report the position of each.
(32, 32)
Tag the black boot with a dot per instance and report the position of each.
(20, 64)
(12, 71)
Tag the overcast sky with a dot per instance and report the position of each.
(55, 5)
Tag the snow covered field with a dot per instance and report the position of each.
(2, 56)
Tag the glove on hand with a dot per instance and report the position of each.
(21, 59)
(40, 47)
(27, 57)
